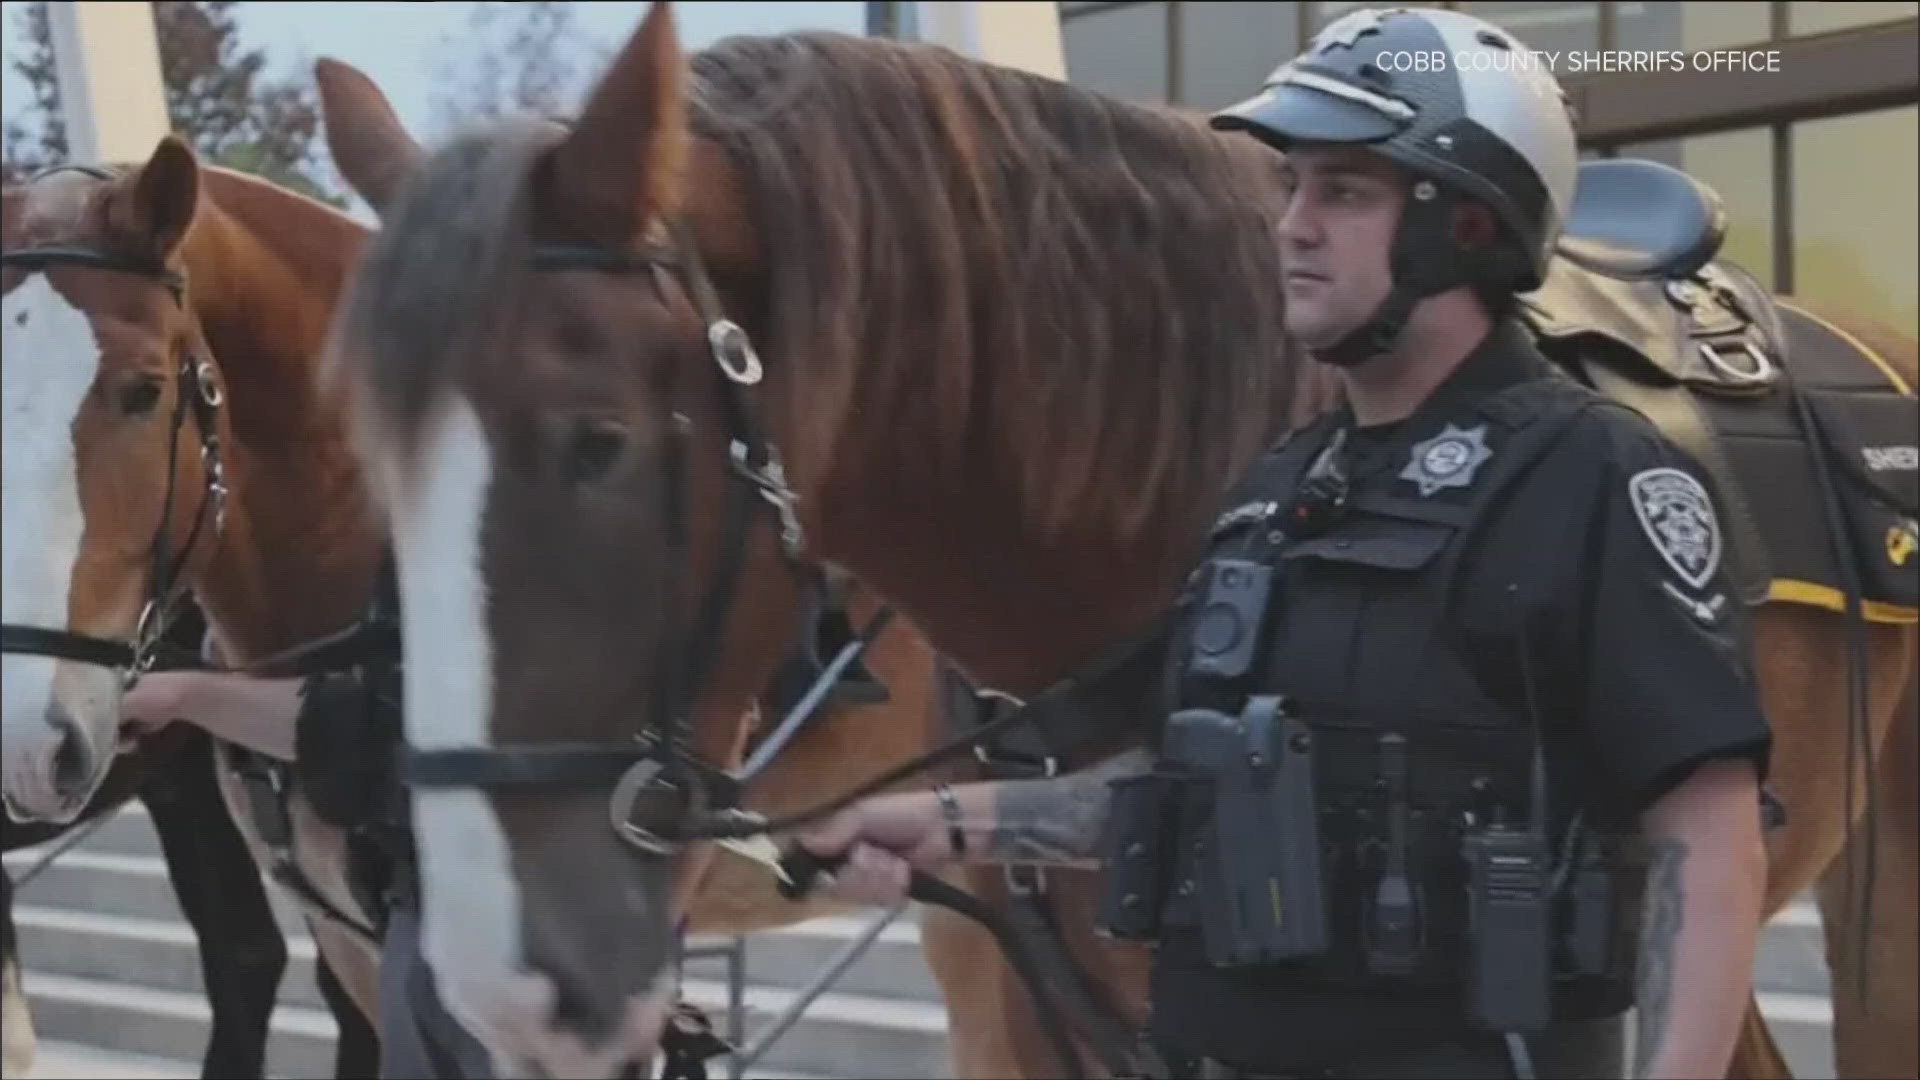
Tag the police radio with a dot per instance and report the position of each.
(1509, 906)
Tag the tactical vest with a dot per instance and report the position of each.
(1352, 683)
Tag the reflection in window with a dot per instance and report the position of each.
(1119, 51)
(1856, 234)
(1696, 24)
(1228, 49)
(1545, 27)
(1808, 18)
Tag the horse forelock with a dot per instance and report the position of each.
(435, 276)
(63, 206)
(969, 245)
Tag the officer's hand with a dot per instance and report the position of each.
(871, 876)
(906, 827)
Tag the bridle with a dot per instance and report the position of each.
(657, 780)
(198, 393)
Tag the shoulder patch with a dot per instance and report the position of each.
(1677, 515)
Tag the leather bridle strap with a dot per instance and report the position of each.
(197, 393)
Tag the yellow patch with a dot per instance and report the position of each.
(1902, 541)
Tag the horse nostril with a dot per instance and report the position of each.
(73, 758)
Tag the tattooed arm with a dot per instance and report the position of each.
(1056, 821)
(1706, 884)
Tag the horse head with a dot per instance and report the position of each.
(552, 441)
(113, 484)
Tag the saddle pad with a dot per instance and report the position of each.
(1865, 427)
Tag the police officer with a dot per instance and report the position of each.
(1492, 742)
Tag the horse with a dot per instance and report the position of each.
(161, 321)
(219, 889)
(1017, 339)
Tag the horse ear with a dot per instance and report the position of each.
(622, 166)
(156, 207)
(370, 148)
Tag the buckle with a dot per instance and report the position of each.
(1024, 879)
(1761, 372)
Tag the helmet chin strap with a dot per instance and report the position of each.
(1426, 259)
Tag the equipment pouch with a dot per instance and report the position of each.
(1139, 846)
(1600, 913)
(1261, 895)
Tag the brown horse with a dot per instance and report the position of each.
(187, 305)
(1018, 339)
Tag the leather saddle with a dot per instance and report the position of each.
(1636, 307)
(1636, 272)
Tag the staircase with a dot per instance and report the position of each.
(112, 974)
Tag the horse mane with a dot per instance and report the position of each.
(1093, 282)
(448, 245)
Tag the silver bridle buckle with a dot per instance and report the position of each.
(733, 351)
(644, 775)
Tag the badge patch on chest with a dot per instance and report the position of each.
(1678, 517)
(1448, 460)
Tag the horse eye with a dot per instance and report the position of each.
(592, 449)
(138, 397)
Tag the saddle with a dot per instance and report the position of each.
(1783, 410)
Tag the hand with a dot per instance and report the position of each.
(885, 840)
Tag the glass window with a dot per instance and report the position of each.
(1548, 28)
(1330, 10)
(1855, 228)
(1119, 51)
(1696, 24)
(1808, 18)
(1228, 49)
(1739, 166)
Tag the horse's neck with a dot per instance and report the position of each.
(301, 546)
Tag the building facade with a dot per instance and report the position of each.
(1816, 161)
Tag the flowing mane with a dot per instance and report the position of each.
(968, 244)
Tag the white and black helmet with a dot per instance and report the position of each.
(1452, 98)
(1457, 102)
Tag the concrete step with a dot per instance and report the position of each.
(1802, 1025)
(75, 1061)
(156, 953)
(848, 1035)
(171, 1024)
(121, 884)
(892, 967)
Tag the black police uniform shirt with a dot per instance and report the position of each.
(1639, 650)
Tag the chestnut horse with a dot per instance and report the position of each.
(1017, 339)
(174, 304)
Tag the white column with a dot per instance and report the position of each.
(111, 94)
(1014, 33)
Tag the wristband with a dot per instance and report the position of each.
(950, 807)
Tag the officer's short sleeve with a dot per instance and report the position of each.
(1669, 673)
